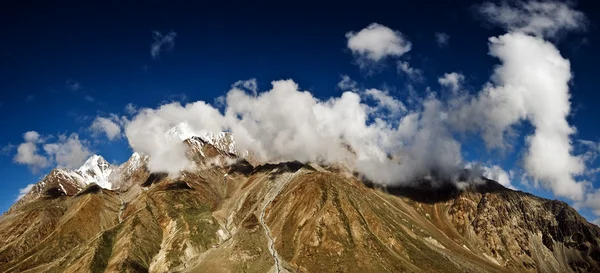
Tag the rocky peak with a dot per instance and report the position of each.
(96, 170)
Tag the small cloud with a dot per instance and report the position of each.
(24, 191)
(32, 136)
(106, 126)
(30, 98)
(375, 43)
(412, 73)
(89, 98)
(442, 39)
(131, 109)
(27, 152)
(73, 85)
(452, 81)
(162, 43)
(596, 222)
(347, 84)
(6, 150)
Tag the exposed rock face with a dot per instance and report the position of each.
(231, 216)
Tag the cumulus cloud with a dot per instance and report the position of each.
(31, 136)
(531, 84)
(162, 43)
(107, 126)
(376, 42)
(27, 154)
(287, 123)
(65, 152)
(442, 39)
(499, 175)
(410, 72)
(146, 132)
(452, 81)
(24, 191)
(538, 18)
(68, 152)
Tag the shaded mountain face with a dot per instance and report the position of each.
(232, 216)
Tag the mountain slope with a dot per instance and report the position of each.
(231, 216)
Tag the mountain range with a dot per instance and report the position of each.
(232, 213)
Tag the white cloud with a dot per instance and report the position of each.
(162, 43)
(27, 154)
(531, 84)
(286, 123)
(411, 72)
(452, 81)
(499, 175)
(108, 126)
(385, 101)
(376, 42)
(130, 109)
(89, 98)
(539, 18)
(249, 85)
(596, 222)
(591, 201)
(31, 136)
(347, 84)
(68, 152)
(442, 39)
(146, 132)
(24, 191)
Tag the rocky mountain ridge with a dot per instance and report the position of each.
(232, 216)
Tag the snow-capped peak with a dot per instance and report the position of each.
(96, 170)
(181, 132)
(221, 140)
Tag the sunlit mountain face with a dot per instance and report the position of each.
(232, 138)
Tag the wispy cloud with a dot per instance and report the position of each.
(413, 74)
(162, 43)
(73, 85)
(442, 39)
(7, 149)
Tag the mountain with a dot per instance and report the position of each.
(232, 216)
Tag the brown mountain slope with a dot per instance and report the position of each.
(228, 216)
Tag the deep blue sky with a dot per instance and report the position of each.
(105, 47)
